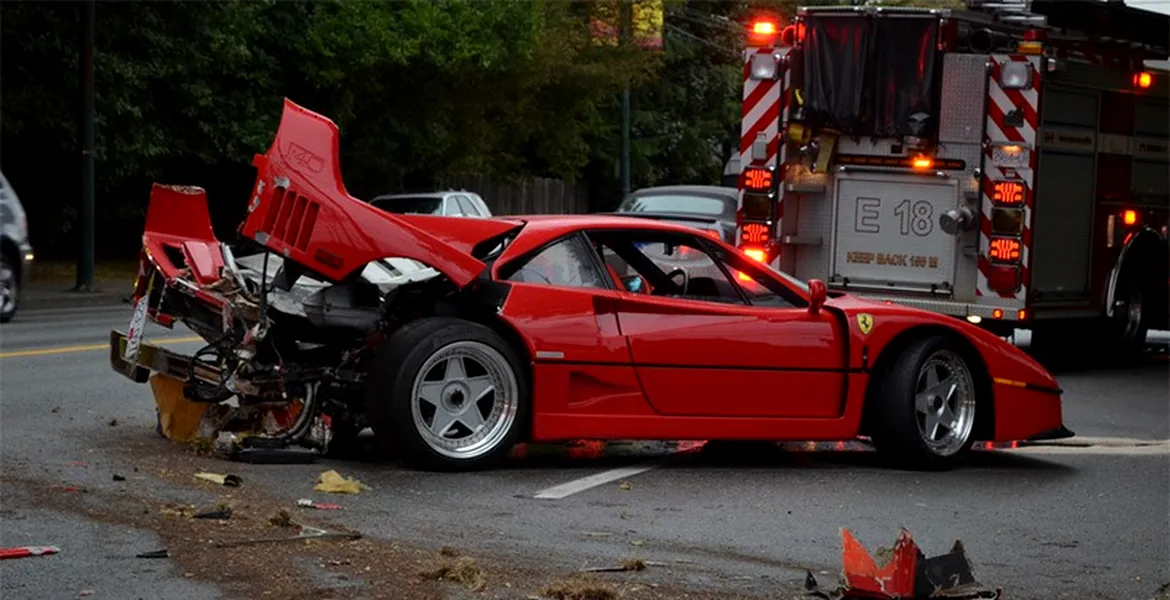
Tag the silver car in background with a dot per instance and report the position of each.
(447, 203)
(16, 254)
(708, 208)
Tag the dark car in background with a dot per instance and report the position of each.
(710, 208)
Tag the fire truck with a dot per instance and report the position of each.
(1005, 163)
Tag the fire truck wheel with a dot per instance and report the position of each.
(1129, 324)
(448, 395)
(925, 417)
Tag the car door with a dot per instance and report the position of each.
(721, 349)
(581, 362)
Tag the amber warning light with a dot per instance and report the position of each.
(757, 180)
(1143, 80)
(764, 27)
(1129, 217)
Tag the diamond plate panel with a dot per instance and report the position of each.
(964, 92)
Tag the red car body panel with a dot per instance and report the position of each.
(606, 364)
(301, 209)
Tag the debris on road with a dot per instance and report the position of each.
(906, 575)
(631, 564)
(307, 533)
(118, 477)
(27, 551)
(306, 503)
(626, 486)
(333, 483)
(113, 422)
(86, 593)
(219, 511)
(586, 588)
(462, 570)
(226, 480)
(155, 554)
(281, 519)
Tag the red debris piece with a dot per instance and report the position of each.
(894, 579)
(27, 551)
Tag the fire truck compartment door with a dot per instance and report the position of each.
(887, 233)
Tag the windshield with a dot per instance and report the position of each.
(680, 203)
(410, 205)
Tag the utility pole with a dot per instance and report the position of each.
(85, 258)
(627, 18)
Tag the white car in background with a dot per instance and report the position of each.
(449, 203)
(16, 254)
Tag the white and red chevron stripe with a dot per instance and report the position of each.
(1024, 131)
(761, 110)
(764, 106)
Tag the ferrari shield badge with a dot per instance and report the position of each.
(865, 323)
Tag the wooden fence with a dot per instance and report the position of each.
(529, 196)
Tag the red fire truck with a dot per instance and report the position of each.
(1006, 163)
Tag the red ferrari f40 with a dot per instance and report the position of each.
(454, 339)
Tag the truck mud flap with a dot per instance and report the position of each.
(155, 359)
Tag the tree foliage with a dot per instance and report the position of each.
(188, 91)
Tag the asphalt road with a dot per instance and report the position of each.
(1076, 521)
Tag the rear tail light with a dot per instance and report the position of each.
(1004, 279)
(1129, 217)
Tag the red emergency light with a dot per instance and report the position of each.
(763, 31)
(1008, 192)
(754, 233)
(757, 179)
(1005, 250)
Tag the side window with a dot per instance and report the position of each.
(565, 263)
(451, 207)
(764, 292)
(669, 265)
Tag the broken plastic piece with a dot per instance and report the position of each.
(155, 554)
(27, 551)
(306, 503)
(228, 480)
(906, 575)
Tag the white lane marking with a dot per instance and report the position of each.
(579, 485)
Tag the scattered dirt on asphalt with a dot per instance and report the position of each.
(361, 568)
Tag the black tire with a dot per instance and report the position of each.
(896, 429)
(1130, 323)
(8, 271)
(390, 392)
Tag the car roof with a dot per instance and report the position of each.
(541, 229)
(703, 190)
(428, 194)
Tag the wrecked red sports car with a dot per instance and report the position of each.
(454, 339)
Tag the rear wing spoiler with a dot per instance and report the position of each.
(300, 209)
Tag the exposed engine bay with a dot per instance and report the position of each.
(287, 352)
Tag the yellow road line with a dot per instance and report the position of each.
(89, 347)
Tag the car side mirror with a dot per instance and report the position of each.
(817, 294)
(634, 284)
